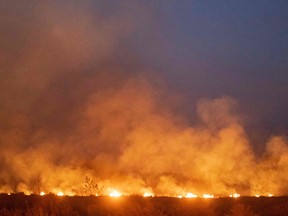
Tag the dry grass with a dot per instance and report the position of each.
(51, 205)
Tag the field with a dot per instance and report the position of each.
(52, 205)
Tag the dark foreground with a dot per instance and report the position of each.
(50, 205)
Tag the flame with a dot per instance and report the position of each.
(148, 194)
(191, 195)
(60, 193)
(235, 195)
(208, 196)
(115, 194)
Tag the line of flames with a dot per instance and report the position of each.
(189, 195)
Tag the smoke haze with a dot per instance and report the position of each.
(75, 102)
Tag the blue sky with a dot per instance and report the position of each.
(214, 48)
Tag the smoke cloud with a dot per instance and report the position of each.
(72, 107)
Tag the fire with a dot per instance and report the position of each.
(147, 194)
(115, 194)
(191, 195)
(208, 196)
(60, 193)
(235, 195)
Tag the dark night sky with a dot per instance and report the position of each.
(215, 48)
(235, 48)
(198, 48)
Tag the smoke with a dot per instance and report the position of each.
(71, 107)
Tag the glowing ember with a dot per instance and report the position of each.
(191, 195)
(26, 192)
(235, 195)
(180, 196)
(257, 195)
(42, 193)
(208, 196)
(60, 193)
(115, 194)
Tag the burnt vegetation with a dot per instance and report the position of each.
(51, 205)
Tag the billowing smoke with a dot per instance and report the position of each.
(74, 104)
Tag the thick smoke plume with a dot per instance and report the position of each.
(75, 103)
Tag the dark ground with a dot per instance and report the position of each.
(50, 205)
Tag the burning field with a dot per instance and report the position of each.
(119, 141)
(141, 148)
(84, 120)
